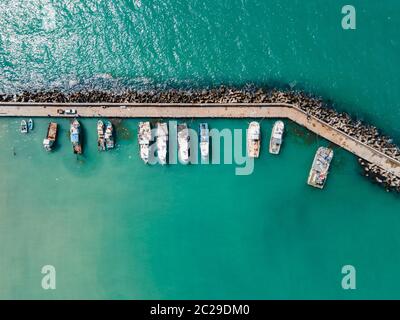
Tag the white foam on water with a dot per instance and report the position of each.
(72, 83)
(49, 16)
(103, 76)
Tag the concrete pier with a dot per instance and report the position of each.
(232, 110)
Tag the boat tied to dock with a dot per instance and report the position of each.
(320, 167)
(162, 142)
(380, 155)
(75, 136)
(144, 138)
(253, 140)
(100, 136)
(51, 136)
(109, 136)
(204, 137)
(23, 127)
(276, 140)
(30, 124)
(183, 143)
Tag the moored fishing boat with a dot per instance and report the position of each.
(51, 136)
(75, 136)
(24, 127)
(100, 136)
(30, 124)
(109, 136)
(162, 142)
(204, 137)
(276, 140)
(320, 167)
(183, 143)
(144, 138)
(253, 140)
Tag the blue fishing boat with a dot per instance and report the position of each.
(75, 131)
(30, 124)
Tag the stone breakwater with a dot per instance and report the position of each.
(380, 176)
(314, 106)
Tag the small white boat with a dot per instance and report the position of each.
(204, 136)
(253, 140)
(109, 136)
(276, 140)
(24, 127)
(183, 143)
(30, 124)
(100, 136)
(162, 142)
(144, 138)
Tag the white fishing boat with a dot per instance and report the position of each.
(253, 140)
(109, 136)
(100, 136)
(204, 137)
(276, 140)
(183, 143)
(162, 142)
(320, 167)
(144, 138)
(24, 127)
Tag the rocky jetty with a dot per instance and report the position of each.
(314, 106)
(380, 176)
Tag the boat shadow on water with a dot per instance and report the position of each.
(301, 134)
(121, 131)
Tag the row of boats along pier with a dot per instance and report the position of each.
(378, 155)
(106, 141)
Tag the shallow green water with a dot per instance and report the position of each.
(115, 228)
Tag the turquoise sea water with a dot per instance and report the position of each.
(115, 228)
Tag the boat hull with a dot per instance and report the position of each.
(75, 136)
(100, 136)
(109, 136)
(51, 137)
(276, 138)
(162, 142)
(24, 127)
(320, 168)
(253, 140)
(144, 138)
(183, 144)
(204, 137)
